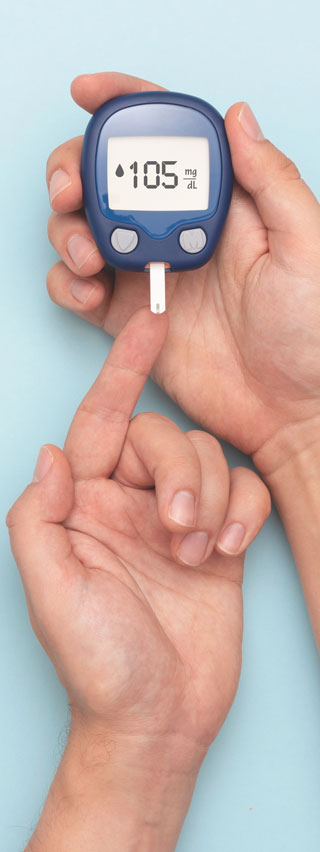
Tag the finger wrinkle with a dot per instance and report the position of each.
(127, 369)
(104, 412)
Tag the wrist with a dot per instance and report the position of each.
(289, 451)
(119, 792)
(140, 789)
(290, 465)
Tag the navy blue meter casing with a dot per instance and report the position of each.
(131, 238)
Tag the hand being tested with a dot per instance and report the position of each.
(117, 542)
(243, 351)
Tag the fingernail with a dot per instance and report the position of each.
(81, 289)
(182, 509)
(44, 462)
(249, 123)
(231, 538)
(80, 249)
(193, 548)
(59, 181)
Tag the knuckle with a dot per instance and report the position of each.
(251, 490)
(243, 473)
(245, 480)
(288, 168)
(10, 518)
(146, 418)
(51, 279)
(63, 155)
(282, 169)
(199, 436)
(49, 165)
(51, 227)
(53, 160)
(196, 434)
(207, 442)
(266, 498)
(20, 514)
(12, 515)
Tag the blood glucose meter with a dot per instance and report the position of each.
(157, 182)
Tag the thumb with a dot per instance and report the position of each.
(285, 203)
(39, 543)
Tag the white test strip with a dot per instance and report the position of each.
(157, 288)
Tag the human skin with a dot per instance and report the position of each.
(242, 356)
(147, 646)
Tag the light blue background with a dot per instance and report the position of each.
(258, 789)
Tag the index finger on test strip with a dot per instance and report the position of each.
(98, 430)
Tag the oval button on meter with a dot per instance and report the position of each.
(157, 180)
(124, 240)
(193, 240)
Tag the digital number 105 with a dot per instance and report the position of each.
(151, 174)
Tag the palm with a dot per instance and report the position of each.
(127, 590)
(235, 334)
(162, 642)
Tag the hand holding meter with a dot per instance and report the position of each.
(157, 183)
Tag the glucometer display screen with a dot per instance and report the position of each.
(158, 173)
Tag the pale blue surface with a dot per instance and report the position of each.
(259, 787)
